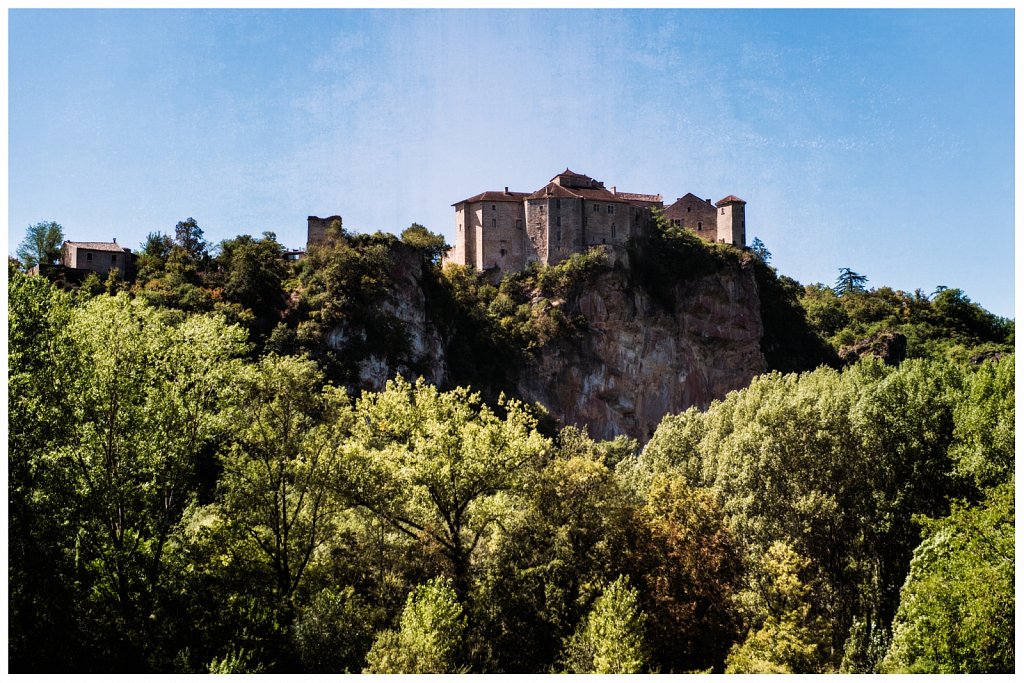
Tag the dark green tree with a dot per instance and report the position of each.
(189, 237)
(41, 245)
(760, 251)
(849, 282)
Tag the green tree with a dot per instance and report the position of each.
(610, 640)
(784, 637)
(957, 609)
(41, 245)
(436, 466)
(849, 282)
(432, 244)
(149, 393)
(559, 543)
(760, 251)
(152, 256)
(984, 436)
(275, 490)
(429, 637)
(43, 363)
(188, 236)
(334, 632)
(689, 569)
(254, 277)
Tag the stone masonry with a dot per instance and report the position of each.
(507, 230)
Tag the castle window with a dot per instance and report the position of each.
(687, 209)
(541, 207)
(558, 236)
(597, 208)
(494, 222)
(723, 210)
(558, 221)
(113, 258)
(88, 256)
(502, 252)
(494, 207)
(519, 224)
(611, 208)
(613, 230)
(558, 203)
(700, 225)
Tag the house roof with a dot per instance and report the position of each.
(731, 199)
(570, 174)
(494, 196)
(594, 194)
(98, 246)
(554, 190)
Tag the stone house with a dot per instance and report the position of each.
(723, 221)
(507, 230)
(98, 257)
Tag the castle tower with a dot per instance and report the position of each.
(732, 224)
(316, 228)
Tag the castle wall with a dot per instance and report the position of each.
(461, 252)
(316, 228)
(612, 227)
(504, 236)
(695, 214)
(537, 230)
(565, 227)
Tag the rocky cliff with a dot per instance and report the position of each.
(632, 356)
(636, 361)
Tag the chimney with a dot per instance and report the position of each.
(708, 200)
(115, 240)
(506, 189)
(614, 191)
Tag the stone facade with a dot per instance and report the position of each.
(316, 228)
(573, 212)
(98, 257)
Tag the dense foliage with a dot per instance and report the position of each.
(194, 486)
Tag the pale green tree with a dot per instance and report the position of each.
(149, 394)
(785, 637)
(429, 637)
(957, 610)
(438, 466)
(610, 639)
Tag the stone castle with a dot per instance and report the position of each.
(507, 230)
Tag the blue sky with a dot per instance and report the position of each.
(877, 140)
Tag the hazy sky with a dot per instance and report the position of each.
(877, 140)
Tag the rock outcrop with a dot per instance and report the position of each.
(633, 358)
(636, 361)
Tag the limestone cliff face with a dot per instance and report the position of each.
(634, 359)
(637, 361)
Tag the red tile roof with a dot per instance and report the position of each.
(731, 199)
